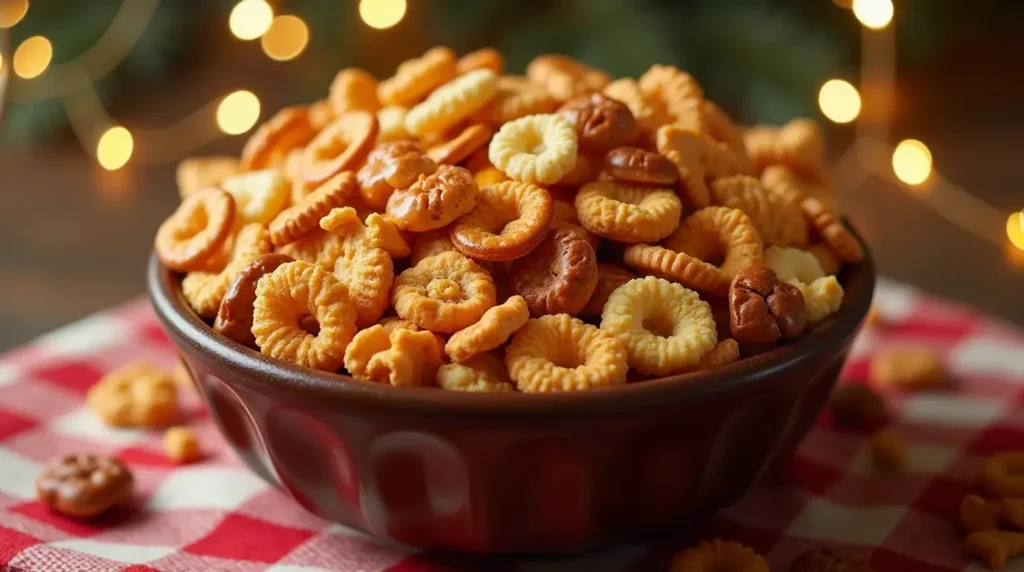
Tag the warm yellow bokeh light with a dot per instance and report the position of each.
(839, 101)
(250, 19)
(12, 11)
(32, 57)
(874, 14)
(286, 38)
(238, 112)
(912, 162)
(381, 14)
(1015, 229)
(115, 148)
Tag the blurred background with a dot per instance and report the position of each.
(922, 100)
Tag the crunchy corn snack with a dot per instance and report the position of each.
(196, 230)
(494, 329)
(338, 147)
(484, 58)
(417, 77)
(535, 149)
(509, 220)
(402, 358)
(688, 150)
(259, 195)
(287, 130)
(995, 546)
(297, 220)
(777, 221)
(724, 353)
(194, 173)
(181, 445)
(444, 293)
(471, 138)
(514, 100)
(628, 213)
(481, 373)
(353, 89)
(565, 77)
(205, 290)
(832, 230)
(718, 554)
(452, 102)
(134, 395)
(823, 298)
(649, 116)
(391, 124)
(561, 353)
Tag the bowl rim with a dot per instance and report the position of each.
(327, 389)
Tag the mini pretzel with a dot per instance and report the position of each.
(205, 290)
(793, 264)
(609, 277)
(363, 267)
(648, 117)
(535, 149)
(494, 328)
(429, 243)
(484, 58)
(509, 220)
(297, 220)
(688, 151)
(559, 276)
(199, 226)
(777, 221)
(1002, 474)
(417, 77)
(402, 358)
(561, 353)
(514, 100)
(353, 89)
(995, 546)
(390, 166)
(391, 124)
(259, 195)
(195, 173)
(665, 327)
(455, 151)
(338, 147)
(481, 373)
(444, 293)
(628, 213)
(724, 353)
(823, 298)
(284, 297)
(452, 102)
(717, 554)
(635, 165)
(832, 230)
(565, 77)
(434, 200)
(288, 129)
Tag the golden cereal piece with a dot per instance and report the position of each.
(823, 297)
(444, 293)
(565, 77)
(284, 297)
(402, 358)
(1002, 475)
(391, 124)
(665, 327)
(721, 128)
(297, 220)
(484, 373)
(385, 234)
(793, 264)
(196, 230)
(759, 143)
(135, 395)
(648, 116)
(289, 129)
(494, 328)
(452, 102)
(678, 267)
(353, 89)
(204, 290)
(724, 353)
(909, 368)
(718, 555)
(514, 100)
(561, 353)
(194, 173)
(259, 195)
(777, 221)
(995, 546)
(471, 138)
(429, 243)
(316, 247)
(341, 146)
(535, 149)
(675, 91)
(509, 220)
(417, 77)
(832, 230)
(688, 151)
(484, 58)
(364, 267)
(364, 345)
(627, 213)
(434, 200)
(181, 445)
(888, 450)
(609, 277)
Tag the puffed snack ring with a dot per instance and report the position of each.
(452, 102)
(297, 220)
(494, 329)
(353, 89)
(340, 146)
(291, 292)
(485, 373)
(509, 220)
(688, 151)
(724, 230)
(665, 327)
(417, 77)
(777, 221)
(267, 147)
(434, 200)
(535, 149)
(194, 173)
(196, 230)
(204, 290)
(628, 213)
(562, 353)
(444, 293)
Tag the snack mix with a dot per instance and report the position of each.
(456, 226)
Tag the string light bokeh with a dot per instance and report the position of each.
(115, 148)
(382, 14)
(839, 101)
(874, 14)
(32, 57)
(12, 11)
(912, 161)
(250, 19)
(286, 38)
(238, 112)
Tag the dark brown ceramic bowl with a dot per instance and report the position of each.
(513, 472)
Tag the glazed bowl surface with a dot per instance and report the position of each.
(498, 473)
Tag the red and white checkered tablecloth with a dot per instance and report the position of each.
(215, 515)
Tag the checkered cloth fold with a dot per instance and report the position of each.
(216, 515)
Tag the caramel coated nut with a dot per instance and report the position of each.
(181, 445)
(268, 146)
(195, 231)
(635, 165)
(299, 219)
(234, 318)
(559, 276)
(509, 220)
(908, 368)
(390, 166)
(857, 406)
(135, 395)
(84, 485)
(715, 555)
(827, 559)
(565, 77)
(762, 309)
(195, 173)
(995, 546)
(434, 200)
(340, 146)
(601, 123)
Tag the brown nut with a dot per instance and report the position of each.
(762, 309)
(636, 165)
(390, 166)
(84, 485)
(601, 122)
(559, 276)
(234, 318)
(609, 277)
(857, 406)
(827, 559)
(434, 200)
(340, 146)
